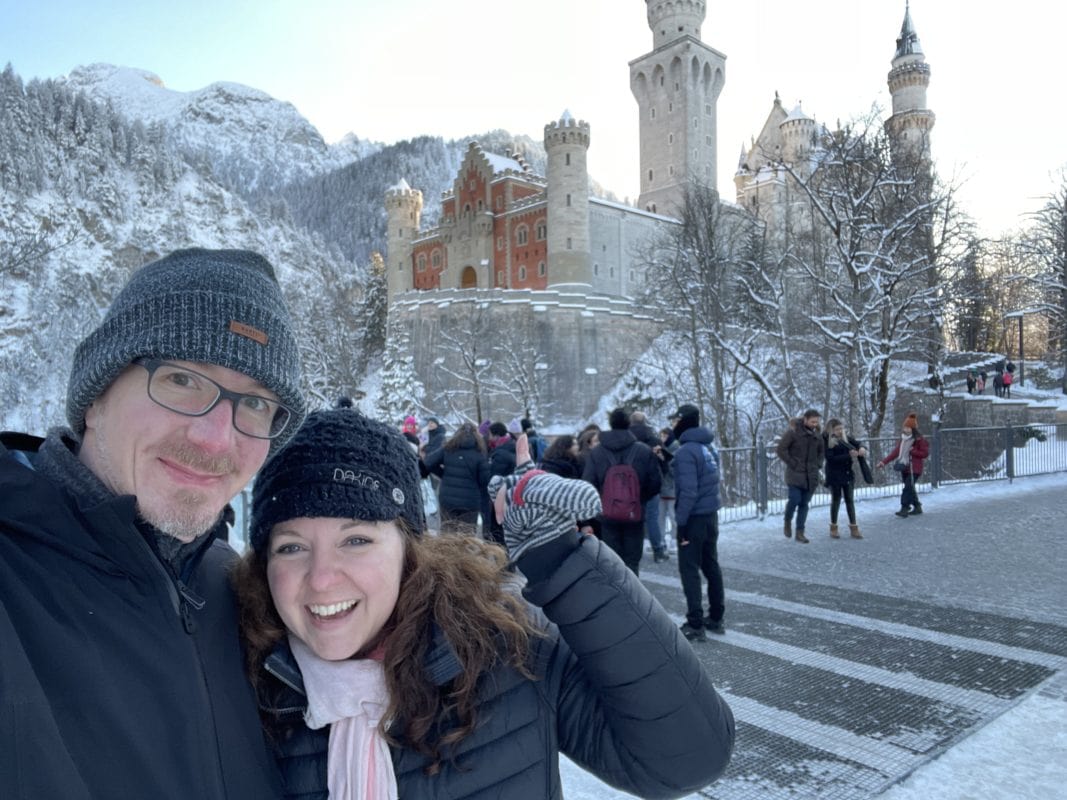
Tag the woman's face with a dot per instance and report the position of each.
(839, 431)
(335, 582)
(574, 449)
(905, 431)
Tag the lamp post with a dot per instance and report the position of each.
(1022, 355)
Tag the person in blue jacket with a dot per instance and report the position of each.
(393, 664)
(696, 514)
(121, 674)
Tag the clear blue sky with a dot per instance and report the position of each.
(392, 69)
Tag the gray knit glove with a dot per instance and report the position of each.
(541, 507)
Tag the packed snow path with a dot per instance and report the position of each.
(849, 664)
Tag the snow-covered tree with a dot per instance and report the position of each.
(402, 392)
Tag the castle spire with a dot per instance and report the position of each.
(908, 43)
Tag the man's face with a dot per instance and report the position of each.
(182, 470)
(812, 423)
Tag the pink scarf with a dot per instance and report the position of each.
(349, 696)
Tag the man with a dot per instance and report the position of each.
(641, 430)
(435, 435)
(696, 509)
(632, 472)
(537, 443)
(803, 450)
(121, 672)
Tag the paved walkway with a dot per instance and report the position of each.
(851, 663)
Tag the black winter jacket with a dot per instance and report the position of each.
(502, 458)
(116, 678)
(619, 691)
(614, 447)
(839, 462)
(464, 474)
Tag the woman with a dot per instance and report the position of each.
(463, 467)
(420, 670)
(561, 458)
(588, 438)
(842, 452)
(907, 459)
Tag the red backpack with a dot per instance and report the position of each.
(621, 495)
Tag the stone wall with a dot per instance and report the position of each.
(580, 344)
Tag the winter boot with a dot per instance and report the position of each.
(788, 528)
(903, 512)
(854, 531)
(833, 531)
(801, 538)
(916, 509)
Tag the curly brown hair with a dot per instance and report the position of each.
(462, 584)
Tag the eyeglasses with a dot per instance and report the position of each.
(187, 392)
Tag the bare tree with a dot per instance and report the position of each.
(1047, 245)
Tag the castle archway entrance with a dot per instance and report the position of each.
(468, 279)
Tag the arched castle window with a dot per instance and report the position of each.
(650, 176)
(670, 169)
(468, 278)
(541, 268)
(670, 138)
(467, 209)
(522, 234)
(568, 201)
(481, 205)
(522, 273)
(422, 262)
(670, 108)
(542, 231)
(568, 159)
(568, 242)
(435, 259)
(611, 272)
(499, 242)
(596, 269)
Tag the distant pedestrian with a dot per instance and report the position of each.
(802, 449)
(436, 434)
(842, 453)
(538, 445)
(998, 384)
(972, 381)
(980, 384)
(696, 480)
(614, 467)
(643, 432)
(667, 448)
(410, 427)
(907, 458)
(1007, 379)
(561, 458)
(463, 468)
(587, 440)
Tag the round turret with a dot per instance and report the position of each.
(567, 199)
(403, 209)
(798, 136)
(673, 19)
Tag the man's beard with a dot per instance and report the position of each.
(185, 514)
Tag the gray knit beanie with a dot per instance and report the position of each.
(340, 464)
(221, 307)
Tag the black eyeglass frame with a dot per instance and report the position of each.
(152, 364)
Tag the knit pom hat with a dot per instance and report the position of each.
(542, 506)
(339, 464)
(912, 421)
(221, 307)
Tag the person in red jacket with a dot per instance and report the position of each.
(907, 458)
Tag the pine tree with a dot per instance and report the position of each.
(401, 390)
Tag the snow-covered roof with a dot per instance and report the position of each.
(502, 163)
(796, 113)
(400, 186)
(566, 116)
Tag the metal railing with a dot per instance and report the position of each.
(753, 478)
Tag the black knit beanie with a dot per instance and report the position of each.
(220, 307)
(339, 464)
(688, 417)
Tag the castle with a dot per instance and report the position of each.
(545, 245)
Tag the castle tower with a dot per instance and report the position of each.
(676, 86)
(909, 127)
(566, 143)
(403, 209)
(798, 138)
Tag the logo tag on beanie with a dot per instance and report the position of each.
(247, 331)
(356, 478)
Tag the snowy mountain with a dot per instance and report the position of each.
(253, 143)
